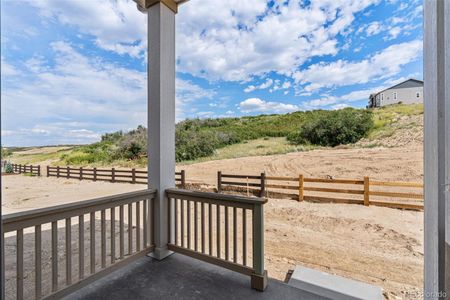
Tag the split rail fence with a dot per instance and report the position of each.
(29, 169)
(112, 175)
(402, 195)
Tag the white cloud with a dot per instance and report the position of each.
(373, 28)
(344, 73)
(188, 92)
(267, 84)
(339, 106)
(235, 40)
(116, 25)
(256, 105)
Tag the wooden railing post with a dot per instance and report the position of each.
(183, 179)
(20, 169)
(263, 184)
(219, 181)
(39, 170)
(133, 176)
(81, 173)
(300, 187)
(259, 276)
(48, 171)
(57, 171)
(113, 175)
(95, 173)
(366, 190)
(68, 172)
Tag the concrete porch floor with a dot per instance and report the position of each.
(181, 277)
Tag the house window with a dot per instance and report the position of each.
(418, 95)
(394, 95)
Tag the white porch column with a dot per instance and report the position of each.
(436, 148)
(161, 116)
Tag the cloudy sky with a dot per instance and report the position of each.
(74, 69)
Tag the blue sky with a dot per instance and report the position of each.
(74, 69)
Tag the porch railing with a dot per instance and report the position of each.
(53, 227)
(224, 230)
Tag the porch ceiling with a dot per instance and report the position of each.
(181, 277)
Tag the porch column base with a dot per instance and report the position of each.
(160, 253)
(259, 282)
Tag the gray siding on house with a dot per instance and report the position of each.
(407, 92)
(404, 95)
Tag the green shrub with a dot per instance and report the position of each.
(9, 168)
(333, 128)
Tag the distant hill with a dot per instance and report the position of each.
(206, 139)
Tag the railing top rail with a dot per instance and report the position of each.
(49, 214)
(173, 193)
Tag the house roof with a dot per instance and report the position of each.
(398, 84)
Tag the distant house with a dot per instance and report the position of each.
(407, 92)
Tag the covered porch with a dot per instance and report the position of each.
(168, 243)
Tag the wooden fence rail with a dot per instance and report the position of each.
(112, 175)
(354, 191)
(87, 219)
(28, 169)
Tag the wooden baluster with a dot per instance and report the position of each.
(218, 229)
(38, 261)
(121, 233)
(54, 256)
(145, 224)
(188, 210)
(235, 226)
(130, 229)
(19, 264)
(203, 226)
(68, 251)
(81, 247)
(92, 242)
(244, 236)
(175, 208)
(138, 226)
(227, 236)
(210, 234)
(182, 221)
(113, 235)
(195, 226)
(103, 237)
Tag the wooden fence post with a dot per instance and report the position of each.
(300, 187)
(113, 175)
(20, 169)
(39, 170)
(95, 173)
(219, 181)
(366, 190)
(81, 173)
(68, 172)
(183, 179)
(133, 176)
(57, 171)
(263, 184)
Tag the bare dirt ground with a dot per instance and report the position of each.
(381, 163)
(377, 245)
